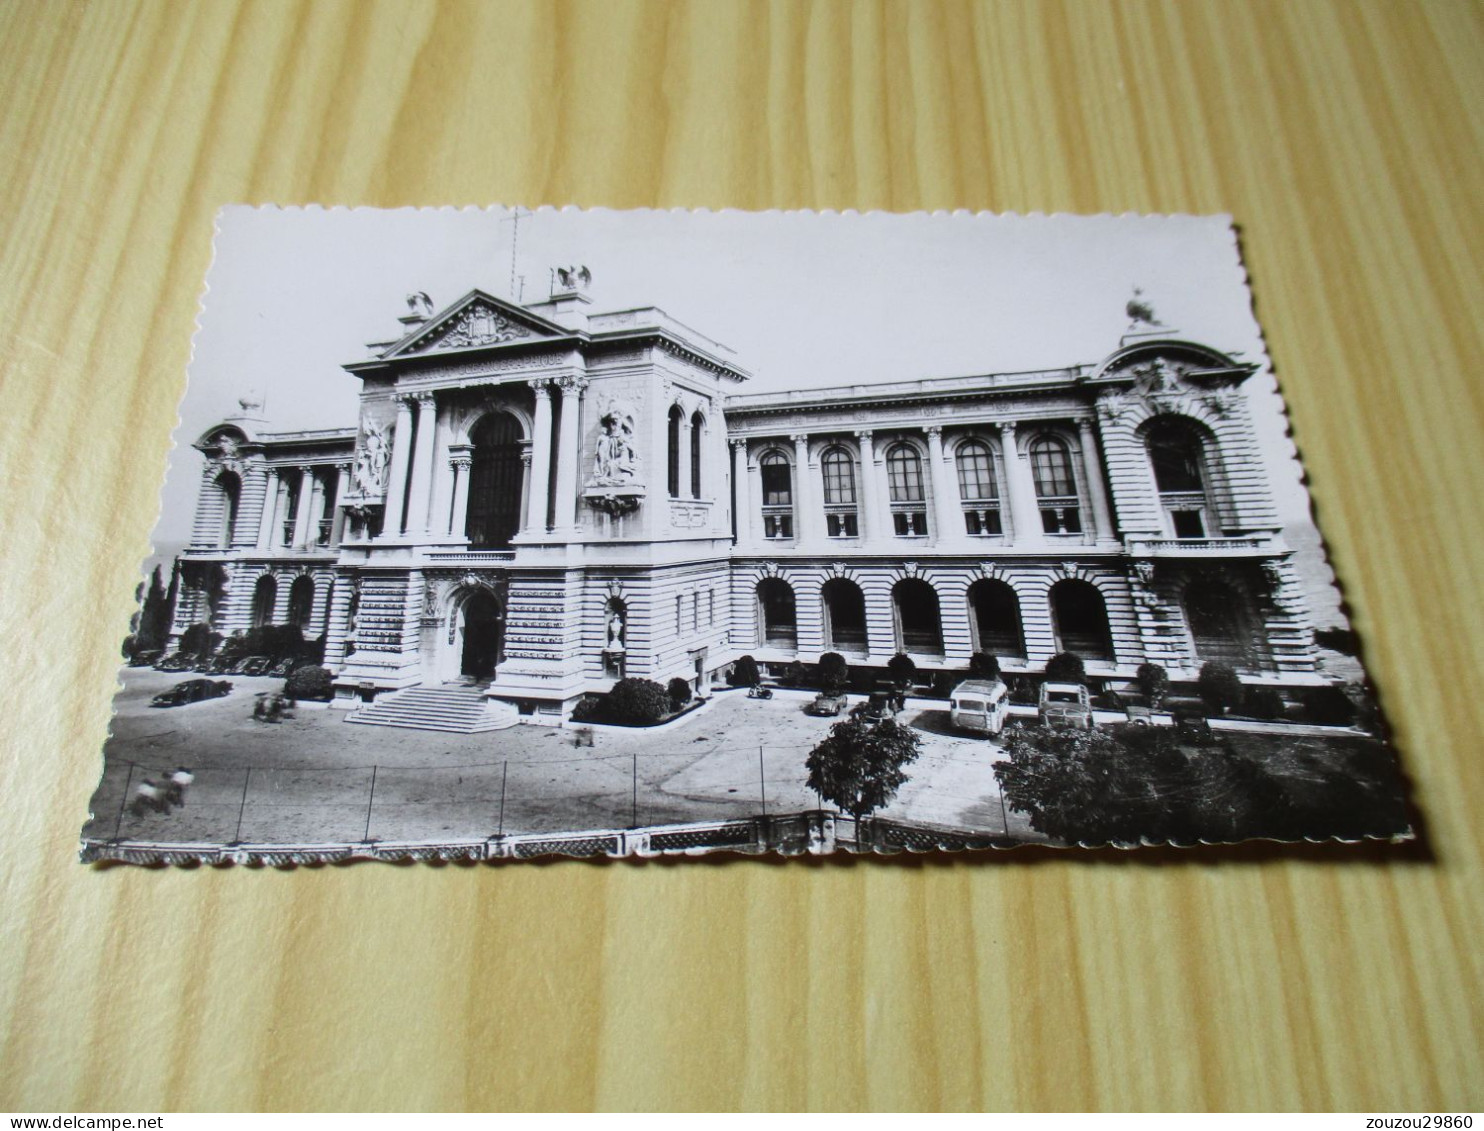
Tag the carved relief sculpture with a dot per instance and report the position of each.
(373, 460)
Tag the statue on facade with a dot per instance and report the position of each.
(615, 630)
(1140, 312)
(419, 304)
(615, 462)
(368, 475)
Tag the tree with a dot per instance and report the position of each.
(903, 671)
(1154, 683)
(1066, 667)
(858, 766)
(744, 673)
(679, 692)
(834, 673)
(985, 666)
(1220, 687)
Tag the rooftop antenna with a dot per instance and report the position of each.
(514, 219)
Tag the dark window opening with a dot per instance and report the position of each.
(919, 626)
(495, 476)
(845, 615)
(996, 618)
(779, 627)
(1080, 618)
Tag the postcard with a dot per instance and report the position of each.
(496, 534)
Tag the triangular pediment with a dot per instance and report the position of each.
(477, 319)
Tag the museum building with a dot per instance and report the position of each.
(539, 499)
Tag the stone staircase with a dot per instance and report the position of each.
(459, 710)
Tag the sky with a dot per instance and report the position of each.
(805, 299)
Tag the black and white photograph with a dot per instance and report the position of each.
(496, 534)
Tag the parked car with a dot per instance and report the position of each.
(256, 665)
(192, 691)
(176, 662)
(879, 707)
(1065, 705)
(1192, 727)
(826, 706)
(980, 705)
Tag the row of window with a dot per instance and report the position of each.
(1176, 454)
(978, 490)
(1223, 624)
(228, 486)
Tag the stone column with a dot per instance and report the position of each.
(302, 520)
(342, 486)
(805, 520)
(569, 453)
(422, 464)
(396, 480)
(1025, 515)
(460, 461)
(316, 510)
(1097, 491)
(744, 501)
(865, 506)
(946, 523)
(525, 487)
(540, 459)
(270, 509)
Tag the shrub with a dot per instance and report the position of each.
(1066, 667)
(1220, 688)
(985, 666)
(744, 673)
(1329, 706)
(1154, 683)
(309, 682)
(199, 640)
(635, 700)
(834, 673)
(902, 669)
(588, 709)
(1264, 703)
(679, 692)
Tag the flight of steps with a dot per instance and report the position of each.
(461, 710)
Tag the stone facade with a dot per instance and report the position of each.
(545, 498)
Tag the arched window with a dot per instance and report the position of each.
(1177, 456)
(673, 450)
(996, 619)
(495, 475)
(844, 615)
(264, 597)
(1080, 620)
(904, 486)
(301, 602)
(977, 489)
(777, 621)
(1224, 627)
(697, 430)
(229, 486)
(837, 470)
(778, 495)
(919, 627)
(1056, 486)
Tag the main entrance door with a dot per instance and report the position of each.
(484, 634)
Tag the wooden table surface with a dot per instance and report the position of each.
(1346, 139)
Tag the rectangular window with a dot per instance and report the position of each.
(1188, 524)
(910, 524)
(842, 524)
(1061, 520)
(982, 520)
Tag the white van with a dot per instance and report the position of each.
(980, 706)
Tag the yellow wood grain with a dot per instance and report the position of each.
(1345, 137)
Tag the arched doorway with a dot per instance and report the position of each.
(996, 621)
(778, 626)
(495, 482)
(484, 635)
(1080, 618)
(301, 602)
(264, 597)
(844, 615)
(919, 626)
(1224, 627)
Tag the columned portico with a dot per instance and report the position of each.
(396, 482)
(422, 464)
(539, 503)
(569, 451)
